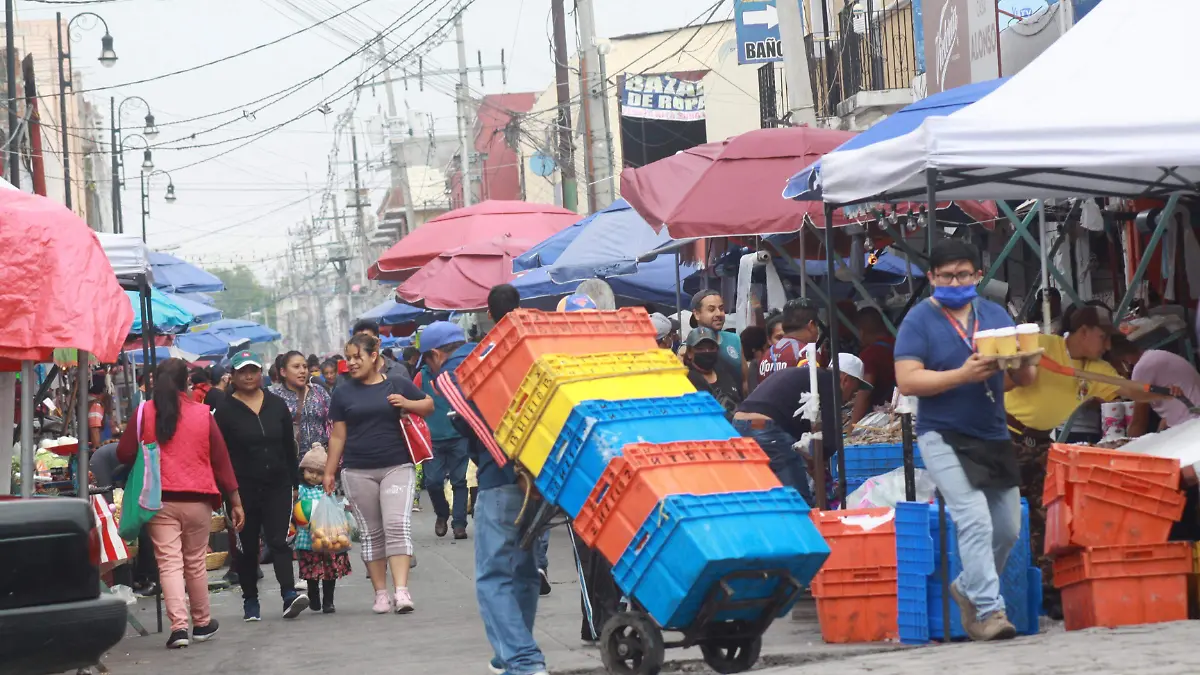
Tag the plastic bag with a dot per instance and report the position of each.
(330, 527)
(887, 490)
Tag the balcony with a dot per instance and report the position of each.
(864, 70)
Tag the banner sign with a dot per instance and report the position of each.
(962, 42)
(662, 97)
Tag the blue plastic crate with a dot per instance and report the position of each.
(597, 431)
(867, 461)
(919, 586)
(690, 542)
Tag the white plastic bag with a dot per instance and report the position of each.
(887, 490)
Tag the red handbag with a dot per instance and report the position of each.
(420, 441)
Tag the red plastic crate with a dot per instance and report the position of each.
(1124, 585)
(1104, 507)
(858, 538)
(1063, 462)
(492, 373)
(857, 605)
(635, 483)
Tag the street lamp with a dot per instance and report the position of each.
(145, 184)
(108, 57)
(149, 131)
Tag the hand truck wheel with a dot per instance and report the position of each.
(731, 655)
(631, 644)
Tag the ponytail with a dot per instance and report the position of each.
(170, 382)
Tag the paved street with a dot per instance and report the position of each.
(445, 636)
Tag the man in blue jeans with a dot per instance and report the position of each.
(440, 341)
(506, 575)
(962, 430)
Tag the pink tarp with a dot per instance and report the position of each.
(461, 279)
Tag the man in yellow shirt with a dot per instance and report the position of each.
(1035, 411)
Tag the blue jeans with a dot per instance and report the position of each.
(788, 465)
(506, 581)
(541, 551)
(449, 462)
(988, 523)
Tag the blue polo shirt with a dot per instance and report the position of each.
(927, 335)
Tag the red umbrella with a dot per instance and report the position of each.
(57, 288)
(481, 222)
(733, 187)
(461, 279)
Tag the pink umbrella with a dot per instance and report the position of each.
(481, 222)
(461, 279)
(57, 287)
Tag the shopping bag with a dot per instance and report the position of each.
(112, 550)
(143, 488)
(420, 441)
(330, 527)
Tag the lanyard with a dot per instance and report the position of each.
(959, 328)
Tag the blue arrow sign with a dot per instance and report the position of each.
(757, 28)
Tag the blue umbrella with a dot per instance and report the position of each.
(202, 343)
(391, 313)
(179, 276)
(160, 354)
(653, 282)
(201, 313)
(231, 330)
(169, 316)
(806, 185)
(610, 245)
(202, 298)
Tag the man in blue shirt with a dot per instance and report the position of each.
(962, 430)
(441, 340)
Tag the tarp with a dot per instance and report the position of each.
(653, 282)
(127, 254)
(1055, 129)
(179, 276)
(168, 315)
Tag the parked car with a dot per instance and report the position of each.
(52, 616)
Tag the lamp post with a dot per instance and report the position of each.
(146, 174)
(108, 57)
(149, 131)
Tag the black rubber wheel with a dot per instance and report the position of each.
(726, 655)
(631, 644)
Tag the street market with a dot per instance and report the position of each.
(894, 371)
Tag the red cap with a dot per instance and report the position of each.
(343, 367)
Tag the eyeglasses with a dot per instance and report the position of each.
(961, 277)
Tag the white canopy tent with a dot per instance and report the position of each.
(1102, 112)
(127, 254)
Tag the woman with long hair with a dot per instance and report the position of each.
(257, 427)
(377, 470)
(308, 404)
(196, 473)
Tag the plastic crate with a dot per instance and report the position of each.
(1064, 461)
(857, 538)
(919, 574)
(1124, 585)
(492, 373)
(633, 485)
(557, 383)
(857, 605)
(1194, 584)
(690, 542)
(864, 462)
(597, 431)
(1098, 506)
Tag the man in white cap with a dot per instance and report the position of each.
(666, 330)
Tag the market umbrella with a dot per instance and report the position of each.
(180, 276)
(232, 330)
(482, 222)
(461, 279)
(201, 312)
(57, 287)
(653, 282)
(169, 315)
(737, 193)
(202, 343)
(390, 313)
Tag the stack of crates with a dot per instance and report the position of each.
(856, 588)
(1108, 516)
(653, 475)
(864, 462)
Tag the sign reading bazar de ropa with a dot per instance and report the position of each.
(662, 97)
(962, 43)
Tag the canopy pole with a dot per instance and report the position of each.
(930, 223)
(84, 385)
(832, 438)
(143, 300)
(27, 392)
(1043, 236)
(1164, 219)
(931, 216)
(678, 288)
(803, 269)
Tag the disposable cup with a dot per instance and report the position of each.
(985, 343)
(1027, 337)
(1006, 341)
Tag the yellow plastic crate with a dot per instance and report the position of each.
(556, 383)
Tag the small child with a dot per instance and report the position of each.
(326, 568)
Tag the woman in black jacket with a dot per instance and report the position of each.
(257, 427)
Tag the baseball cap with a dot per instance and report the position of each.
(245, 358)
(441, 333)
(700, 334)
(853, 366)
(576, 302)
(663, 326)
(1093, 316)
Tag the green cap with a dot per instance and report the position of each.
(245, 358)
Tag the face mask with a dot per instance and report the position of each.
(705, 360)
(954, 296)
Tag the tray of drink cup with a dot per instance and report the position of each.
(1013, 347)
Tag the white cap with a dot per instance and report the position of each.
(853, 366)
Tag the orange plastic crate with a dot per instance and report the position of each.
(634, 484)
(1063, 462)
(857, 538)
(1124, 585)
(857, 605)
(1109, 508)
(492, 373)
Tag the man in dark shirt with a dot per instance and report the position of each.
(707, 371)
(220, 388)
(799, 320)
(878, 368)
(768, 415)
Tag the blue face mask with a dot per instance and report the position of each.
(954, 296)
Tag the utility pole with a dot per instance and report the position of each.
(566, 150)
(463, 96)
(594, 92)
(118, 226)
(399, 164)
(63, 83)
(795, 61)
(14, 144)
(359, 216)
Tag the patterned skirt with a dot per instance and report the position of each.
(323, 566)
